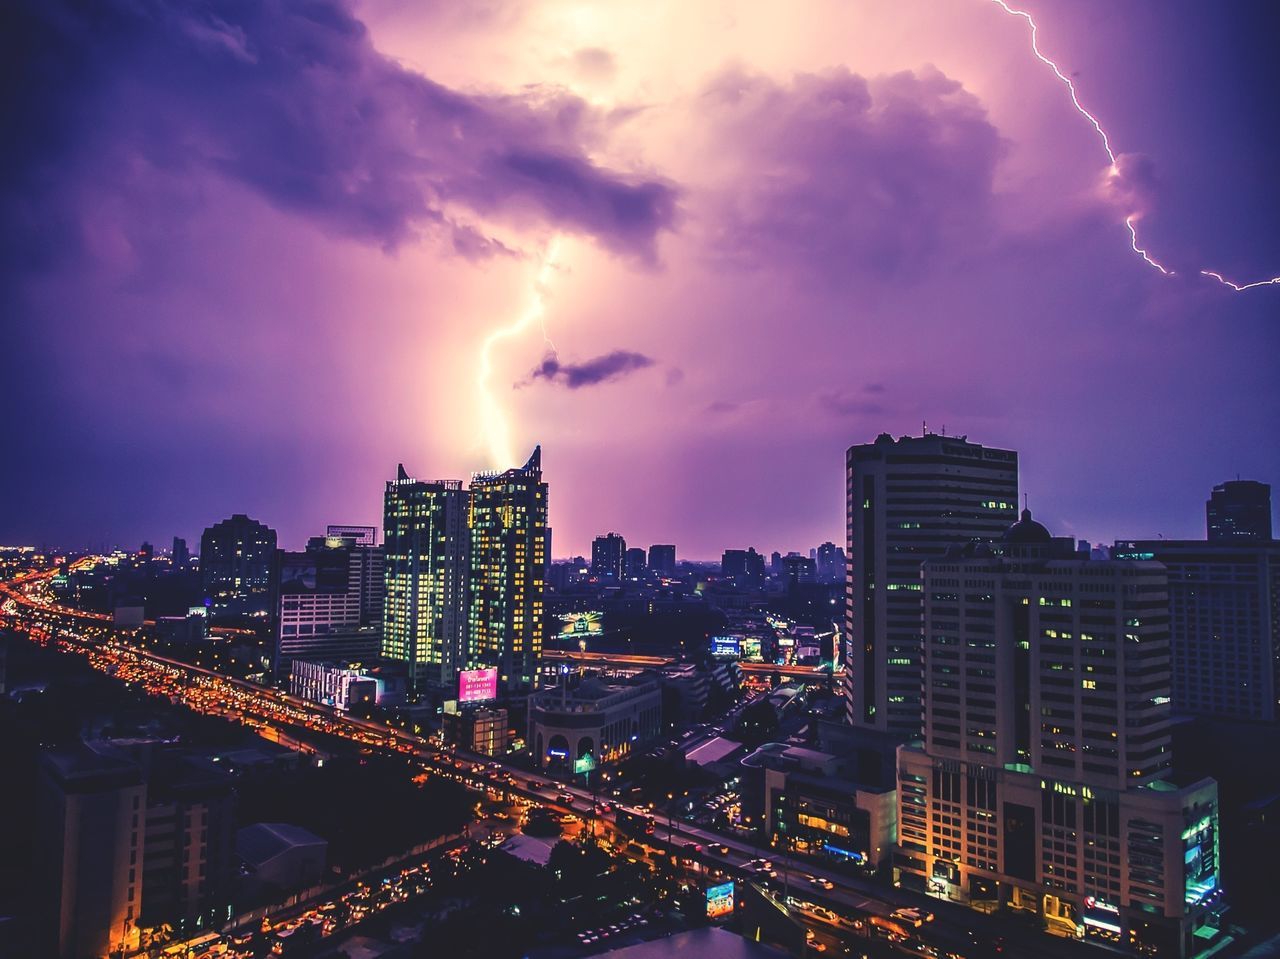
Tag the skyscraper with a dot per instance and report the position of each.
(237, 559)
(180, 555)
(830, 562)
(508, 523)
(746, 566)
(907, 501)
(1043, 779)
(368, 567)
(608, 554)
(320, 608)
(662, 558)
(426, 542)
(1239, 511)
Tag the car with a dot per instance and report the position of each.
(822, 882)
(721, 849)
(911, 914)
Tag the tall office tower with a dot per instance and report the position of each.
(368, 567)
(608, 556)
(320, 606)
(90, 830)
(180, 555)
(633, 563)
(830, 562)
(1239, 511)
(426, 541)
(508, 563)
(907, 501)
(1224, 624)
(1042, 783)
(237, 558)
(662, 559)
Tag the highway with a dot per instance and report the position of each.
(271, 712)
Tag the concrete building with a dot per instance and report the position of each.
(319, 606)
(608, 556)
(907, 501)
(280, 857)
(1239, 511)
(427, 551)
(92, 830)
(633, 563)
(608, 720)
(1224, 605)
(662, 559)
(812, 806)
(1043, 779)
(507, 572)
(335, 684)
(480, 729)
(237, 560)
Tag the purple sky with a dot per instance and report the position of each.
(257, 252)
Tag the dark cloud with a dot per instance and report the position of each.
(846, 175)
(842, 404)
(599, 369)
(292, 100)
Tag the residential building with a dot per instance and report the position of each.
(427, 549)
(508, 560)
(907, 501)
(662, 559)
(480, 729)
(633, 563)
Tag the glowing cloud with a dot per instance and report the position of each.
(1132, 218)
(494, 422)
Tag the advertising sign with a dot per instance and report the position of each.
(477, 685)
(726, 647)
(720, 901)
(581, 625)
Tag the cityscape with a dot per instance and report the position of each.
(554, 481)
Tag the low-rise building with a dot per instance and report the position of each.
(480, 729)
(607, 720)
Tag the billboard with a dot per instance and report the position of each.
(581, 625)
(726, 647)
(477, 685)
(720, 900)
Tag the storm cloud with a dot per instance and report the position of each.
(599, 369)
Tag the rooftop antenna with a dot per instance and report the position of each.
(924, 428)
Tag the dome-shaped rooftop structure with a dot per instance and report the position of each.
(1027, 532)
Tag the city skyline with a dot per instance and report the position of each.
(265, 314)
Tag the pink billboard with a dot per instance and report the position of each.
(475, 685)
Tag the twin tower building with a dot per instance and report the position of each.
(465, 574)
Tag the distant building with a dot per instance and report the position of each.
(830, 562)
(907, 501)
(179, 555)
(508, 525)
(361, 535)
(608, 556)
(236, 562)
(662, 559)
(90, 833)
(427, 553)
(1224, 624)
(797, 570)
(634, 563)
(480, 729)
(745, 566)
(1239, 511)
(1043, 780)
(606, 720)
(368, 568)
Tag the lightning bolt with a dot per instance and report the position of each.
(493, 418)
(1131, 220)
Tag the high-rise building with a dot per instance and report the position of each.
(180, 556)
(426, 542)
(368, 568)
(1042, 783)
(633, 563)
(1239, 511)
(237, 558)
(91, 828)
(907, 501)
(662, 559)
(608, 556)
(746, 566)
(797, 569)
(508, 523)
(1224, 624)
(830, 563)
